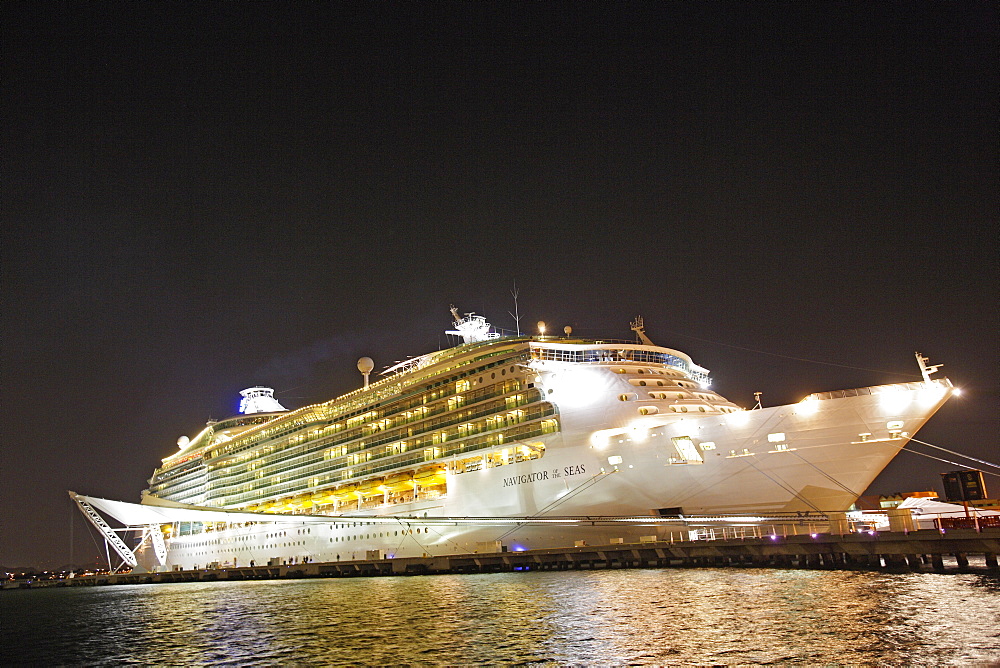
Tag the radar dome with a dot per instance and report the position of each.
(366, 364)
(183, 441)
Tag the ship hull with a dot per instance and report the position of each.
(810, 458)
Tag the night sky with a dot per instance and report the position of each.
(202, 197)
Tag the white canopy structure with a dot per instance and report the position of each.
(932, 508)
(925, 513)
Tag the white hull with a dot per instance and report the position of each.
(808, 457)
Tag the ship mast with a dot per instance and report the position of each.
(926, 369)
(640, 331)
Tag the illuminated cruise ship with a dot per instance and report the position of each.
(505, 442)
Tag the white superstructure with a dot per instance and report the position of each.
(519, 442)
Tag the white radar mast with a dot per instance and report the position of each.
(640, 331)
(472, 328)
(259, 400)
(926, 369)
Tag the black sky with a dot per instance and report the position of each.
(198, 197)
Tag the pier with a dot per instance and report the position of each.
(926, 550)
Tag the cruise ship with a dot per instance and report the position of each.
(505, 443)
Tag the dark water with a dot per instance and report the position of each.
(604, 617)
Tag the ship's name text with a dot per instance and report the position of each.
(524, 479)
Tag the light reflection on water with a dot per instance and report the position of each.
(605, 617)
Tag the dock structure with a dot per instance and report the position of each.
(923, 550)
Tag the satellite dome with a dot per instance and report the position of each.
(366, 364)
(183, 441)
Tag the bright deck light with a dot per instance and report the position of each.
(807, 406)
(894, 399)
(739, 418)
(575, 388)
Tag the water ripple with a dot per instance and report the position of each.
(636, 617)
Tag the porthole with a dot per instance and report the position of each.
(493, 375)
(503, 372)
(642, 383)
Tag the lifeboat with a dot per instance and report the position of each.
(399, 482)
(288, 505)
(431, 475)
(371, 487)
(345, 492)
(323, 497)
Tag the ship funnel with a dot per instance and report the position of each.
(472, 328)
(259, 400)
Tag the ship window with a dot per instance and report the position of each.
(686, 449)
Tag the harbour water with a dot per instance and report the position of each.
(653, 616)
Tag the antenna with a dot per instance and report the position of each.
(516, 314)
(756, 397)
